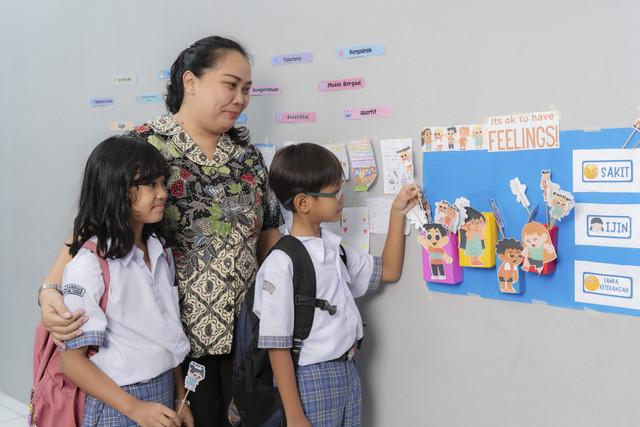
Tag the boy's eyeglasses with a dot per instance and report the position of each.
(337, 195)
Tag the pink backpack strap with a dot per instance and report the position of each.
(104, 265)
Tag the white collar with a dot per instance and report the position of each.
(316, 245)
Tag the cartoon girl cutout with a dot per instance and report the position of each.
(438, 134)
(451, 137)
(509, 251)
(560, 204)
(464, 137)
(477, 137)
(472, 236)
(538, 248)
(427, 139)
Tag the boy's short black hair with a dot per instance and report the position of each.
(510, 243)
(434, 225)
(302, 168)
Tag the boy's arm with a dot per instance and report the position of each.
(76, 365)
(285, 377)
(56, 317)
(393, 252)
(185, 415)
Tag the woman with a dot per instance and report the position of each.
(223, 217)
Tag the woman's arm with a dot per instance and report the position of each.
(76, 365)
(285, 377)
(266, 240)
(56, 317)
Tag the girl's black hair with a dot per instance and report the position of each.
(302, 168)
(105, 202)
(198, 58)
(471, 215)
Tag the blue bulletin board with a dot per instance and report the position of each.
(480, 175)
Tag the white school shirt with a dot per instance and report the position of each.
(140, 335)
(331, 336)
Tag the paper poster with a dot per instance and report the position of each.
(607, 284)
(518, 132)
(397, 164)
(355, 228)
(340, 151)
(363, 164)
(453, 138)
(607, 225)
(124, 80)
(379, 211)
(295, 117)
(268, 151)
(101, 102)
(150, 98)
(606, 171)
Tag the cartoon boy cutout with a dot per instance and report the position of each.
(451, 137)
(472, 236)
(538, 248)
(433, 239)
(464, 137)
(509, 251)
(427, 139)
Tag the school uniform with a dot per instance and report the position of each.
(328, 389)
(139, 335)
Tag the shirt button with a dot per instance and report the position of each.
(228, 247)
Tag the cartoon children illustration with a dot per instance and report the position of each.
(427, 139)
(596, 225)
(472, 236)
(433, 239)
(561, 203)
(446, 214)
(451, 137)
(194, 376)
(477, 137)
(538, 248)
(438, 134)
(405, 158)
(509, 251)
(464, 137)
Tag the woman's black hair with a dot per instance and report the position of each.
(302, 168)
(198, 58)
(105, 201)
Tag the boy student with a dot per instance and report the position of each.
(325, 389)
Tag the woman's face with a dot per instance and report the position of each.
(220, 94)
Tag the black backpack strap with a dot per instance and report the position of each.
(304, 292)
(343, 255)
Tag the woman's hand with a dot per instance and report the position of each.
(56, 317)
(185, 415)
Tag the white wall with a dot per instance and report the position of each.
(428, 358)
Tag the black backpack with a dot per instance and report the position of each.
(257, 400)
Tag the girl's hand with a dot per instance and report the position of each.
(153, 414)
(59, 321)
(185, 415)
(406, 199)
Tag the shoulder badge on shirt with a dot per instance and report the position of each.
(73, 289)
(269, 287)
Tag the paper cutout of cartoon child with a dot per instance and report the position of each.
(478, 132)
(451, 137)
(405, 158)
(433, 239)
(472, 236)
(538, 248)
(438, 134)
(464, 137)
(427, 139)
(446, 214)
(561, 204)
(596, 225)
(509, 251)
(194, 376)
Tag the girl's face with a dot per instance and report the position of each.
(534, 240)
(475, 225)
(220, 94)
(147, 206)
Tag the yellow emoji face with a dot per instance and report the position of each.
(592, 283)
(590, 171)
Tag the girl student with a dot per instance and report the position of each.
(325, 389)
(136, 373)
(221, 213)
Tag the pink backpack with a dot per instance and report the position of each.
(55, 400)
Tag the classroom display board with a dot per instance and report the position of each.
(598, 245)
